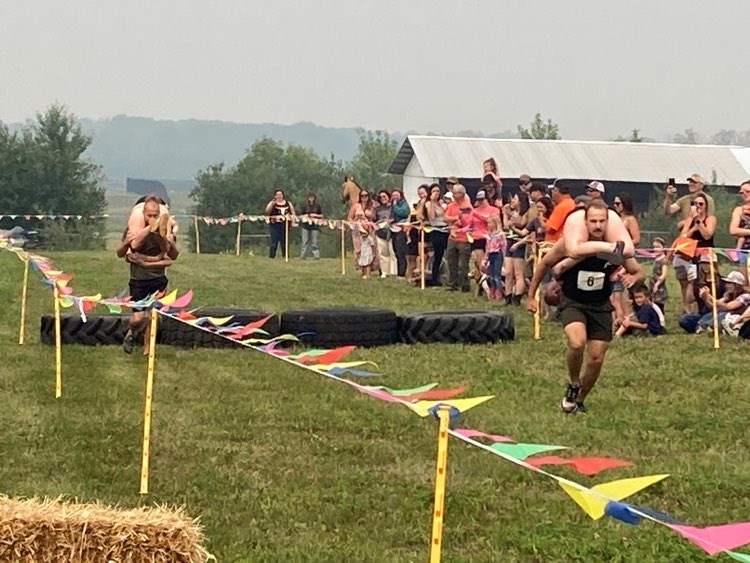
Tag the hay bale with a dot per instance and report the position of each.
(34, 531)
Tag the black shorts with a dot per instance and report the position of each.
(479, 244)
(140, 289)
(597, 317)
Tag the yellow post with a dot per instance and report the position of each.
(197, 235)
(58, 343)
(22, 330)
(149, 397)
(712, 273)
(287, 218)
(442, 463)
(421, 262)
(343, 248)
(538, 298)
(239, 232)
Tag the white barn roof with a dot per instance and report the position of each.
(440, 157)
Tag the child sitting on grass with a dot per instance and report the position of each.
(647, 321)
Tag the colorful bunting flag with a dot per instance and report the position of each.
(714, 539)
(594, 500)
(522, 451)
(422, 408)
(584, 465)
(469, 433)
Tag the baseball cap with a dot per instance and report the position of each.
(697, 178)
(597, 186)
(735, 277)
(451, 180)
(448, 195)
(481, 194)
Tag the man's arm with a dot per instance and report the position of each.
(635, 273)
(670, 208)
(173, 253)
(556, 253)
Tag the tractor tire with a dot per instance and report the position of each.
(97, 330)
(333, 327)
(467, 327)
(177, 333)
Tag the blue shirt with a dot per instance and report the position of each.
(648, 316)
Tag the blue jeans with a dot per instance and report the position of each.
(310, 237)
(690, 322)
(495, 267)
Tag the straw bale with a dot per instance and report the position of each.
(50, 531)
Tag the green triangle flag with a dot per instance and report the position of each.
(738, 556)
(410, 391)
(522, 451)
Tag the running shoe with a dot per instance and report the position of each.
(569, 402)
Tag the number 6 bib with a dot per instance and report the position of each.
(590, 281)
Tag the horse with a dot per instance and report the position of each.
(350, 191)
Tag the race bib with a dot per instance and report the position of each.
(590, 281)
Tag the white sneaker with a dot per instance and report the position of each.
(569, 403)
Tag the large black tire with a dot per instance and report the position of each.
(178, 333)
(98, 329)
(469, 327)
(329, 328)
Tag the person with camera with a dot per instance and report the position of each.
(700, 227)
(682, 205)
(583, 290)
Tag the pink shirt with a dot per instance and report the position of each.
(480, 216)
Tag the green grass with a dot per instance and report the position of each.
(284, 465)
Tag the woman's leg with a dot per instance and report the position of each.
(314, 243)
(510, 280)
(305, 238)
(399, 248)
(519, 287)
(136, 221)
(439, 242)
(275, 232)
(578, 245)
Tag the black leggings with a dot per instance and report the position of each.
(278, 237)
(399, 249)
(439, 244)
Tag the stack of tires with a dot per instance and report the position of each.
(321, 327)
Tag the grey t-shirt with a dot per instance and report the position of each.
(149, 247)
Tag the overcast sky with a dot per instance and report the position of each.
(597, 67)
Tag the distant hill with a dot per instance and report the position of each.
(142, 147)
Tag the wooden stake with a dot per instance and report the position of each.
(438, 515)
(421, 265)
(712, 273)
(149, 397)
(197, 235)
(343, 248)
(58, 343)
(286, 238)
(239, 232)
(24, 288)
(538, 298)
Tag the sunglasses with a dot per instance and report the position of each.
(616, 203)
(364, 195)
(699, 204)
(591, 189)
(523, 182)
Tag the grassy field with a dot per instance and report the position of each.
(283, 465)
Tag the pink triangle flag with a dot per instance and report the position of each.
(714, 539)
(470, 433)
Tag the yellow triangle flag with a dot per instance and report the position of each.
(422, 407)
(593, 504)
(169, 298)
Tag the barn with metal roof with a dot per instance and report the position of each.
(622, 166)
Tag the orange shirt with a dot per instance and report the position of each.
(463, 212)
(557, 219)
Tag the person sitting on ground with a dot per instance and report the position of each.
(735, 300)
(646, 321)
